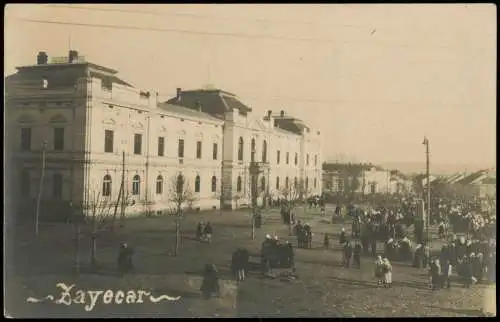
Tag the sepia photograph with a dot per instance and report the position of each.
(249, 160)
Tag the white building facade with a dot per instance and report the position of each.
(95, 129)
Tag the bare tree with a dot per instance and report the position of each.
(100, 211)
(291, 196)
(181, 196)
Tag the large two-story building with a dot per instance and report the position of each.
(75, 131)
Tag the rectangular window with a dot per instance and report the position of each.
(58, 138)
(26, 139)
(278, 157)
(214, 153)
(137, 143)
(198, 150)
(307, 159)
(180, 152)
(287, 157)
(108, 141)
(161, 146)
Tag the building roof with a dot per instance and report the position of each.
(177, 109)
(64, 74)
(492, 181)
(471, 178)
(215, 102)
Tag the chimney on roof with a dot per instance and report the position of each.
(282, 113)
(179, 94)
(72, 56)
(42, 58)
(198, 106)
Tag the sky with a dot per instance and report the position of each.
(374, 79)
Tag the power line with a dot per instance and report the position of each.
(225, 34)
(198, 16)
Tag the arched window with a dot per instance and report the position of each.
(57, 190)
(315, 159)
(197, 183)
(307, 159)
(296, 158)
(307, 183)
(106, 186)
(286, 182)
(277, 182)
(252, 150)
(240, 149)
(159, 185)
(180, 184)
(315, 182)
(214, 184)
(263, 184)
(264, 151)
(136, 185)
(238, 184)
(295, 183)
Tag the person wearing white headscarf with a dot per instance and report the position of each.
(387, 273)
(379, 274)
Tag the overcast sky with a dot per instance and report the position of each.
(374, 78)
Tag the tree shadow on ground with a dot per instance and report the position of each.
(321, 262)
(468, 312)
(354, 283)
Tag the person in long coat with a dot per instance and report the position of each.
(417, 260)
(124, 259)
(447, 270)
(347, 253)
(467, 272)
(240, 263)
(387, 273)
(357, 255)
(210, 283)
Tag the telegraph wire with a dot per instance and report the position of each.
(229, 34)
(198, 16)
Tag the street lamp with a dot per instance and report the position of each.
(40, 190)
(428, 217)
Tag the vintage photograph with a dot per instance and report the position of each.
(249, 160)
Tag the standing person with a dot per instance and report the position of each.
(467, 272)
(265, 254)
(434, 274)
(199, 230)
(426, 256)
(357, 255)
(326, 241)
(210, 283)
(290, 256)
(379, 271)
(208, 232)
(342, 238)
(447, 270)
(417, 259)
(387, 273)
(240, 263)
(373, 245)
(347, 254)
(124, 260)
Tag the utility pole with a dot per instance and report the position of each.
(40, 190)
(122, 210)
(428, 217)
